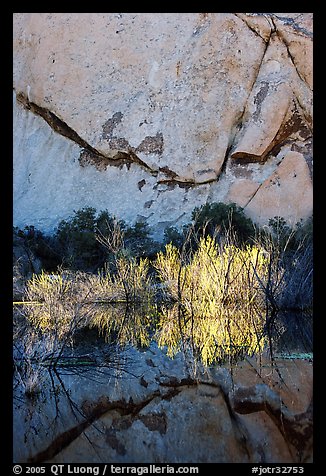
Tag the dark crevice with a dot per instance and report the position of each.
(283, 132)
(253, 195)
(168, 172)
(174, 181)
(225, 162)
(89, 154)
(58, 444)
(274, 29)
(57, 124)
(288, 129)
(255, 78)
(184, 183)
(286, 21)
(287, 46)
(260, 63)
(291, 22)
(251, 28)
(247, 157)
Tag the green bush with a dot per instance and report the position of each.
(174, 236)
(76, 241)
(293, 251)
(138, 242)
(289, 238)
(87, 240)
(220, 218)
(40, 245)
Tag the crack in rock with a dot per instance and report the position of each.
(89, 155)
(172, 183)
(287, 46)
(243, 17)
(291, 22)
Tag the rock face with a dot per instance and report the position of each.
(146, 408)
(149, 115)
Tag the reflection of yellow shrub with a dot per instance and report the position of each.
(219, 312)
(59, 304)
(217, 301)
(132, 286)
(46, 287)
(123, 324)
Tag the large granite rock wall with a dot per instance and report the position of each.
(148, 115)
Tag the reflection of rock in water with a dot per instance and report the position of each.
(96, 401)
(140, 406)
(293, 332)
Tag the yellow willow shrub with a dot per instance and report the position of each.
(130, 282)
(170, 270)
(54, 303)
(220, 312)
(133, 280)
(129, 323)
(46, 287)
(63, 303)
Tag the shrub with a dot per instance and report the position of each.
(61, 304)
(220, 303)
(38, 245)
(53, 305)
(174, 236)
(222, 218)
(290, 252)
(289, 238)
(220, 297)
(88, 241)
(138, 241)
(76, 241)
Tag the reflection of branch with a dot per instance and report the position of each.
(73, 406)
(85, 416)
(56, 399)
(64, 439)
